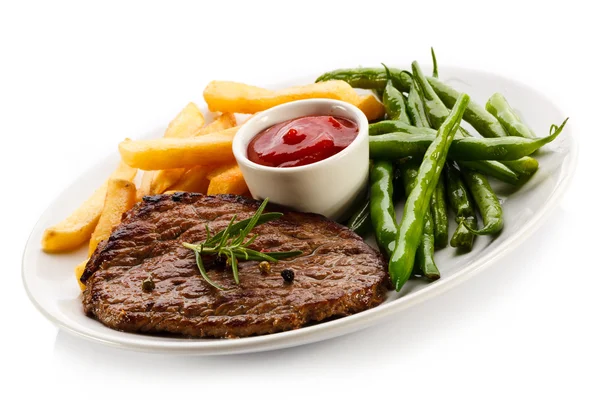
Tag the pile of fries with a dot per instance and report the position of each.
(190, 157)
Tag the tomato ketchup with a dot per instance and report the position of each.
(302, 141)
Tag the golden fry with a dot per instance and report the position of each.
(214, 148)
(241, 98)
(222, 122)
(372, 107)
(227, 180)
(193, 180)
(164, 179)
(145, 185)
(78, 272)
(120, 197)
(77, 228)
(217, 170)
(188, 121)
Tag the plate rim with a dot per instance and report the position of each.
(337, 327)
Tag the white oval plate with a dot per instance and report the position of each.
(50, 282)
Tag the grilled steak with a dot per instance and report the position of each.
(337, 274)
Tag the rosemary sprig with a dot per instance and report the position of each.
(232, 243)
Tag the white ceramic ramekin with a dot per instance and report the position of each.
(328, 187)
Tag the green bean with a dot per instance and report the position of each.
(434, 108)
(383, 215)
(415, 109)
(424, 260)
(491, 168)
(418, 202)
(387, 126)
(393, 101)
(437, 112)
(512, 124)
(424, 255)
(527, 166)
(494, 169)
(483, 122)
(487, 202)
(524, 167)
(462, 238)
(477, 116)
(399, 144)
(439, 214)
(435, 66)
(360, 221)
(369, 78)
(464, 210)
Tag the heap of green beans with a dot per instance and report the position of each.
(440, 165)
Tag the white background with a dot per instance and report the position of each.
(75, 79)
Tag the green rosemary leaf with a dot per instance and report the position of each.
(242, 253)
(191, 246)
(226, 232)
(234, 267)
(207, 234)
(281, 255)
(203, 271)
(239, 226)
(254, 220)
(250, 241)
(258, 256)
(271, 255)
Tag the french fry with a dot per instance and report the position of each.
(222, 122)
(79, 271)
(77, 228)
(164, 179)
(227, 180)
(120, 197)
(236, 97)
(193, 180)
(214, 148)
(145, 185)
(215, 171)
(372, 107)
(188, 121)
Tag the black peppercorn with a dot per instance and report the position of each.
(288, 275)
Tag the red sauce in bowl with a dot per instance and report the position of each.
(302, 141)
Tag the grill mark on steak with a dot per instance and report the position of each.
(337, 275)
